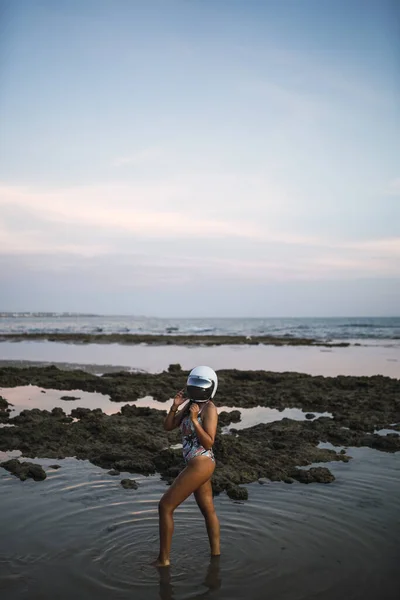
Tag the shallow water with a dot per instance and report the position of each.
(79, 534)
(248, 416)
(355, 360)
(32, 396)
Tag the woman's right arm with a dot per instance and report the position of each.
(174, 418)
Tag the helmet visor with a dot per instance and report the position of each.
(199, 388)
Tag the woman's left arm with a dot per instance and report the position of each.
(206, 432)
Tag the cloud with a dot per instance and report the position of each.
(31, 243)
(148, 226)
(190, 207)
(389, 246)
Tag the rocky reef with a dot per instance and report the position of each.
(133, 440)
(24, 470)
(4, 410)
(169, 340)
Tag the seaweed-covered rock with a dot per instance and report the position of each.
(226, 418)
(236, 492)
(99, 337)
(129, 484)
(4, 410)
(135, 441)
(313, 475)
(24, 470)
(175, 368)
(360, 403)
(81, 413)
(4, 404)
(387, 443)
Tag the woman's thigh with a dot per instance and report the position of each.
(204, 497)
(197, 472)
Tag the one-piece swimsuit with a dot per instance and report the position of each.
(191, 444)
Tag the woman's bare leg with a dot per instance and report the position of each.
(205, 502)
(197, 472)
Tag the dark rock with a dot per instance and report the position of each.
(167, 340)
(58, 413)
(134, 440)
(359, 402)
(80, 413)
(235, 492)
(54, 466)
(24, 470)
(263, 481)
(169, 463)
(175, 368)
(387, 443)
(310, 416)
(4, 410)
(129, 484)
(315, 474)
(70, 398)
(130, 410)
(4, 404)
(114, 472)
(226, 418)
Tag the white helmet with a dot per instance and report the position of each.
(201, 384)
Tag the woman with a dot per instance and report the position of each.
(198, 423)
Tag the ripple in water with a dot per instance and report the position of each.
(79, 533)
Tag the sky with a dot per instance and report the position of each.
(200, 157)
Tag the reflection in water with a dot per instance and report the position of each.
(166, 588)
(212, 580)
(32, 396)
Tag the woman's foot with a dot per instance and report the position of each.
(161, 563)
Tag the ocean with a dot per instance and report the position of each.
(325, 329)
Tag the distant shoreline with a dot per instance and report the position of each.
(168, 340)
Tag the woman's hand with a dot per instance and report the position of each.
(179, 399)
(194, 411)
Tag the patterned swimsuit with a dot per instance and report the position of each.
(190, 441)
